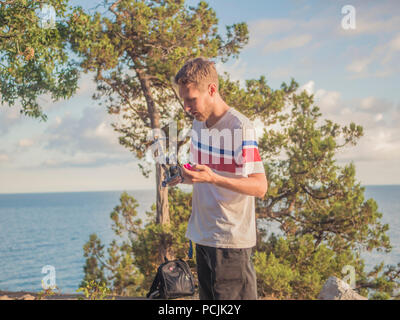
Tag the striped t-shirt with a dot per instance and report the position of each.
(220, 217)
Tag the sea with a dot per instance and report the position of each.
(44, 233)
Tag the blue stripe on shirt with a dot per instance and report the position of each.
(223, 151)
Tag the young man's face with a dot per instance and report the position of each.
(195, 101)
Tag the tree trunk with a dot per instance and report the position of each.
(162, 214)
(162, 193)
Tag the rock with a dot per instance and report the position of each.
(5, 298)
(336, 289)
(26, 297)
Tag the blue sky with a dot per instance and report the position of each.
(353, 74)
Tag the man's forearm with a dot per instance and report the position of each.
(252, 186)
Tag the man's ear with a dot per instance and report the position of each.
(212, 89)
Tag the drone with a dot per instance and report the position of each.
(171, 170)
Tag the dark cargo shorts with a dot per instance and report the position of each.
(225, 274)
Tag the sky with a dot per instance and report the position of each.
(353, 74)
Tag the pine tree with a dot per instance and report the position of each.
(34, 58)
(135, 50)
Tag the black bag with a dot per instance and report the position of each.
(173, 280)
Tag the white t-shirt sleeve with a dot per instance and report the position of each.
(247, 155)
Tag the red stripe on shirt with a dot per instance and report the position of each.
(251, 155)
(203, 158)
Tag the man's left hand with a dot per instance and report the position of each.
(201, 173)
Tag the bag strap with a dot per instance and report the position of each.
(190, 253)
(154, 285)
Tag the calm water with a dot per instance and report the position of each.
(51, 229)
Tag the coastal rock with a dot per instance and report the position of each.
(27, 297)
(5, 298)
(336, 289)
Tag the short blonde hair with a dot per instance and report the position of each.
(198, 71)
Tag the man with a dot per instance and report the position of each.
(228, 174)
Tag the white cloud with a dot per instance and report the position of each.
(373, 105)
(9, 117)
(91, 132)
(377, 116)
(3, 157)
(103, 131)
(86, 88)
(308, 87)
(327, 100)
(25, 143)
(345, 111)
(381, 61)
(394, 44)
(367, 103)
(276, 34)
(260, 30)
(236, 70)
(378, 144)
(378, 57)
(111, 177)
(289, 42)
(281, 72)
(86, 140)
(359, 65)
(88, 160)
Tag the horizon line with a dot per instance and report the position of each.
(148, 189)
